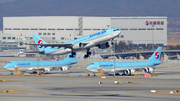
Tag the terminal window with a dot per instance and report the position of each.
(53, 38)
(62, 38)
(34, 29)
(96, 29)
(60, 29)
(124, 29)
(142, 29)
(69, 29)
(150, 29)
(25, 28)
(133, 29)
(16, 28)
(159, 28)
(7, 28)
(51, 29)
(14, 45)
(42, 29)
(87, 29)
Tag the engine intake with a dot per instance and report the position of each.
(46, 70)
(148, 70)
(77, 46)
(129, 71)
(64, 68)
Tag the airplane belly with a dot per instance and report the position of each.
(20, 68)
(64, 51)
(11, 68)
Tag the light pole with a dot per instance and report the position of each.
(152, 37)
(38, 64)
(114, 60)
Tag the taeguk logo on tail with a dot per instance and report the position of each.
(40, 42)
(157, 55)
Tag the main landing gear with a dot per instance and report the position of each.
(87, 54)
(112, 41)
(72, 54)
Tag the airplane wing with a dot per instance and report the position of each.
(66, 45)
(41, 52)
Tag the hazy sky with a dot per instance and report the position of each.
(4, 1)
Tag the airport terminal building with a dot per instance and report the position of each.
(141, 30)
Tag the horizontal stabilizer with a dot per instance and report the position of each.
(21, 43)
(156, 63)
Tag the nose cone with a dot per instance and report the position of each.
(6, 66)
(89, 67)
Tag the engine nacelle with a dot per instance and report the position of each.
(129, 71)
(77, 45)
(64, 68)
(103, 45)
(46, 70)
(148, 70)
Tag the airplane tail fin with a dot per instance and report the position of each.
(39, 40)
(156, 55)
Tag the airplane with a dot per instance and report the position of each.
(128, 68)
(99, 39)
(47, 66)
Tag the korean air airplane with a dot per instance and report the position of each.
(128, 68)
(99, 40)
(32, 65)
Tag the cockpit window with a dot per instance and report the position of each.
(116, 30)
(9, 62)
(92, 63)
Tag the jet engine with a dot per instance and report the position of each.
(103, 45)
(148, 70)
(46, 70)
(64, 68)
(77, 45)
(129, 71)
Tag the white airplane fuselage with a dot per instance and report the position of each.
(91, 43)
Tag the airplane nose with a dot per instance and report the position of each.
(88, 67)
(6, 66)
